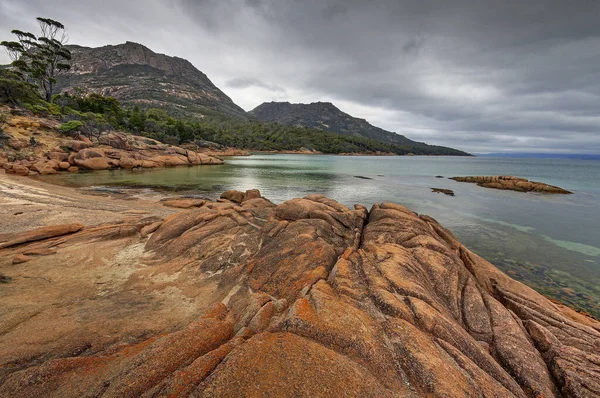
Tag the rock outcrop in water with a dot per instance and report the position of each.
(511, 183)
(242, 297)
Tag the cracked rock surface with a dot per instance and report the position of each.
(242, 297)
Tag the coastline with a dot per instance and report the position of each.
(117, 285)
(27, 203)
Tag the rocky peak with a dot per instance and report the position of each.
(133, 73)
(88, 60)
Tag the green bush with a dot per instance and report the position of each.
(70, 127)
(54, 109)
(13, 90)
(40, 110)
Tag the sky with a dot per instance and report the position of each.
(482, 76)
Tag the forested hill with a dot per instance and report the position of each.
(136, 75)
(325, 116)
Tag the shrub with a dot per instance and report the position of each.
(39, 110)
(70, 127)
(13, 90)
(54, 109)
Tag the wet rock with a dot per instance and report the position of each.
(448, 192)
(511, 183)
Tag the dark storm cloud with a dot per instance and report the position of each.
(478, 75)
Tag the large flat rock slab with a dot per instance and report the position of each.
(243, 297)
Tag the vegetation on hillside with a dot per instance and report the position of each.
(94, 114)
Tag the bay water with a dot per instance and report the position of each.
(550, 242)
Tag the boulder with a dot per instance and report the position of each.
(115, 139)
(73, 169)
(85, 139)
(64, 165)
(128, 162)
(20, 170)
(183, 203)
(58, 156)
(91, 159)
(78, 145)
(71, 158)
(233, 195)
(48, 169)
(252, 194)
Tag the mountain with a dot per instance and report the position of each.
(134, 74)
(326, 116)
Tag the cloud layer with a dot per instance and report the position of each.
(483, 76)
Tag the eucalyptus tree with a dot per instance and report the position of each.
(40, 59)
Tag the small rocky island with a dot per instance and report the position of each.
(511, 183)
(243, 297)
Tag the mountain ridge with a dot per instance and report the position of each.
(327, 117)
(136, 75)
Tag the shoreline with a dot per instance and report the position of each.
(49, 203)
(110, 292)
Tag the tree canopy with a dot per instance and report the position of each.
(39, 59)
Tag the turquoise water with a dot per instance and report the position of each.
(551, 242)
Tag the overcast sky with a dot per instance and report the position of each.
(483, 76)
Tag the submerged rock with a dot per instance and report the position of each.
(512, 183)
(242, 297)
(448, 192)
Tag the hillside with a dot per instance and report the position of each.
(136, 75)
(326, 116)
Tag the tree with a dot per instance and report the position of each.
(38, 60)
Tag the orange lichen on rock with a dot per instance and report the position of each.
(242, 297)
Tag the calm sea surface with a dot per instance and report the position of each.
(551, 242)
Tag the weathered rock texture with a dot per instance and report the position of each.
(511, 183)
(54, 153)
(306, 298)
